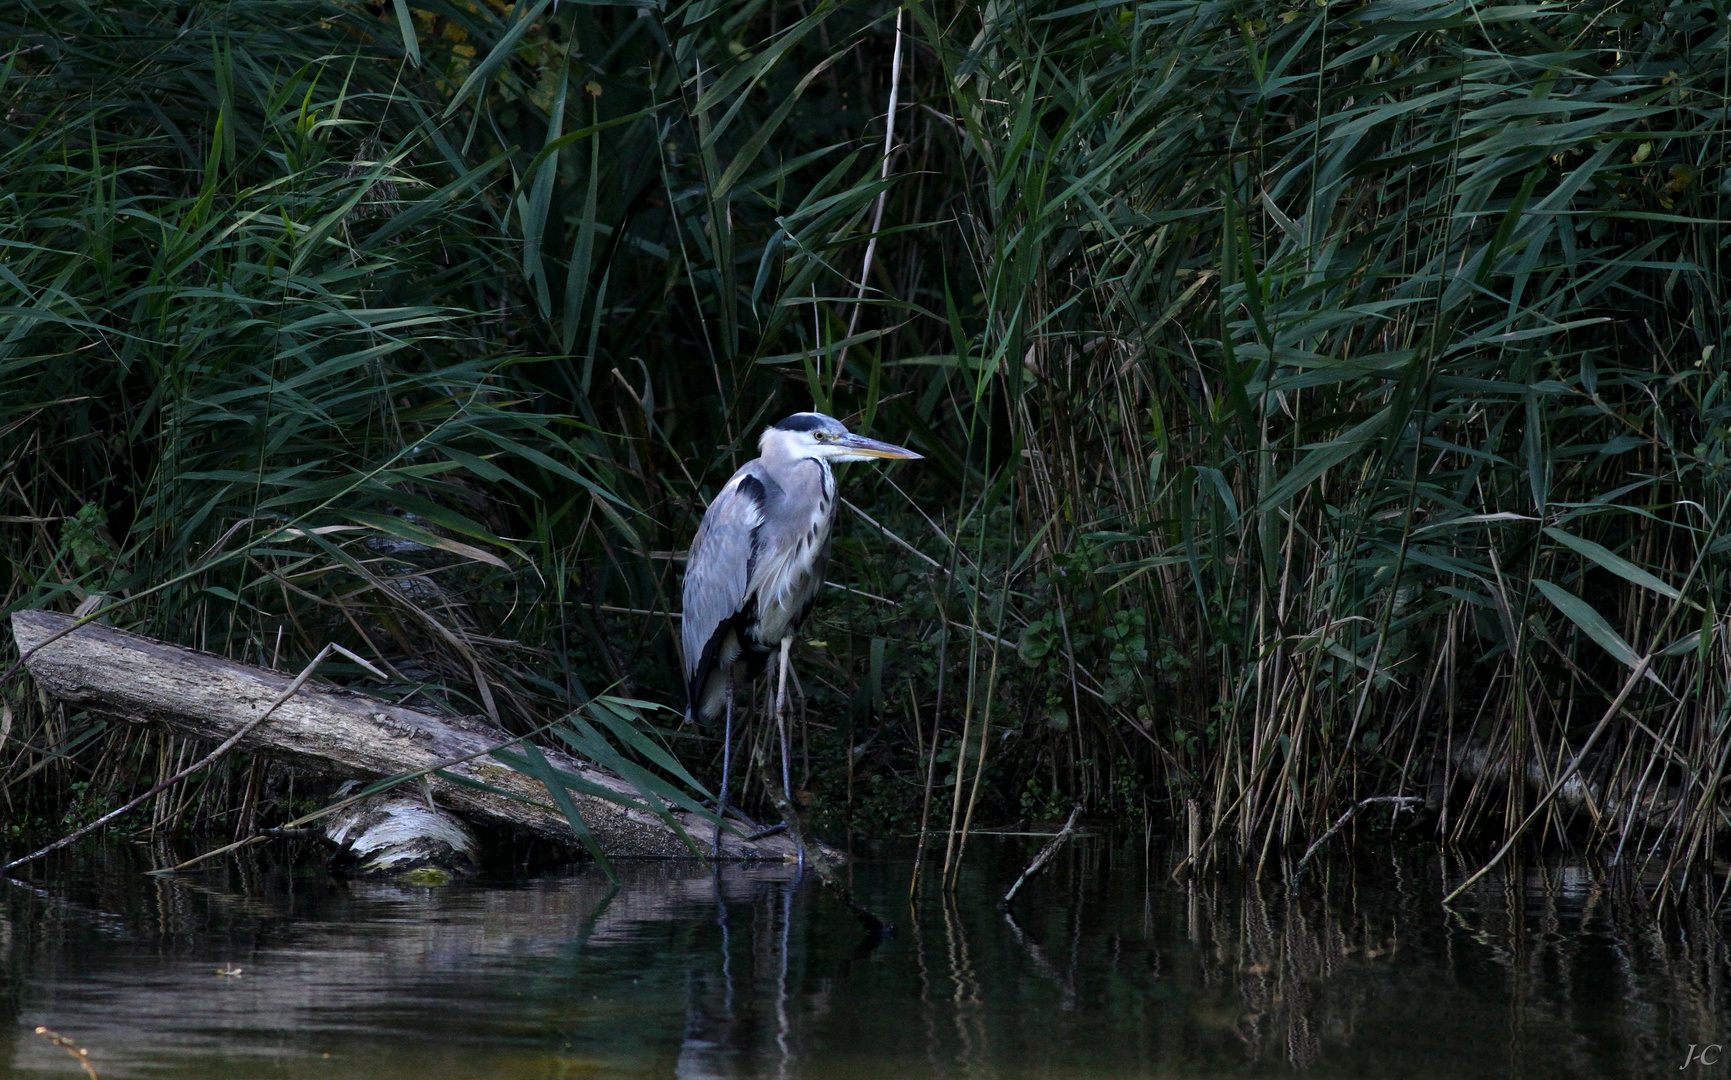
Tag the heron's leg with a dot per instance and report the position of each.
(781, 720)
(786, 779)
(726, 760)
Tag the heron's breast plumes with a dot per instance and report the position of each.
(787, 579)
(792, 556)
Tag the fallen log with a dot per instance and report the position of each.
(340, 732)
(1584, 801)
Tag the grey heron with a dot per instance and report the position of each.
(756, 565)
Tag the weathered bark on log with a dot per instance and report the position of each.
(115, 673)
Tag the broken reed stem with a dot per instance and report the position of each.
(201, 764)
(979, 768)
(956, 795)
(931, 774)
(954, 873)
(1045, 855)
(1563, 778)
(1192, 831)
(941, 603)
(1629, 685)
(1403, 802)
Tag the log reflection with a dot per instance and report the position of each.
(1105, 968)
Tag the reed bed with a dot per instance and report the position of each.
(1321, 401)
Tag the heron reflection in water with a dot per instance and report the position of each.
(756, 566)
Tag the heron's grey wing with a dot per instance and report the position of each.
(718, 571)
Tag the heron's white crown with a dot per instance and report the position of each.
(814, 435)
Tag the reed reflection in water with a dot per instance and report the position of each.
(1105, 968)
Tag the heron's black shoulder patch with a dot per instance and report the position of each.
(752, 488)
(803, 421)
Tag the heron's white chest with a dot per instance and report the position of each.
(793, 550)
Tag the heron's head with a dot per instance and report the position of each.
(814, 435)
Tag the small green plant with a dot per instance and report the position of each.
(83, 538)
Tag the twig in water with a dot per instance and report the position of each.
(79, 1054)
(1405, 802)
(1045, 855)
(204, 762)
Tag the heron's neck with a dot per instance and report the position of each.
(828, 485)
(783, 462)
(779, 453)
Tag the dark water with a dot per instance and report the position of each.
(1108, 970)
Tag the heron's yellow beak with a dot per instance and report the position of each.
(870, 448)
